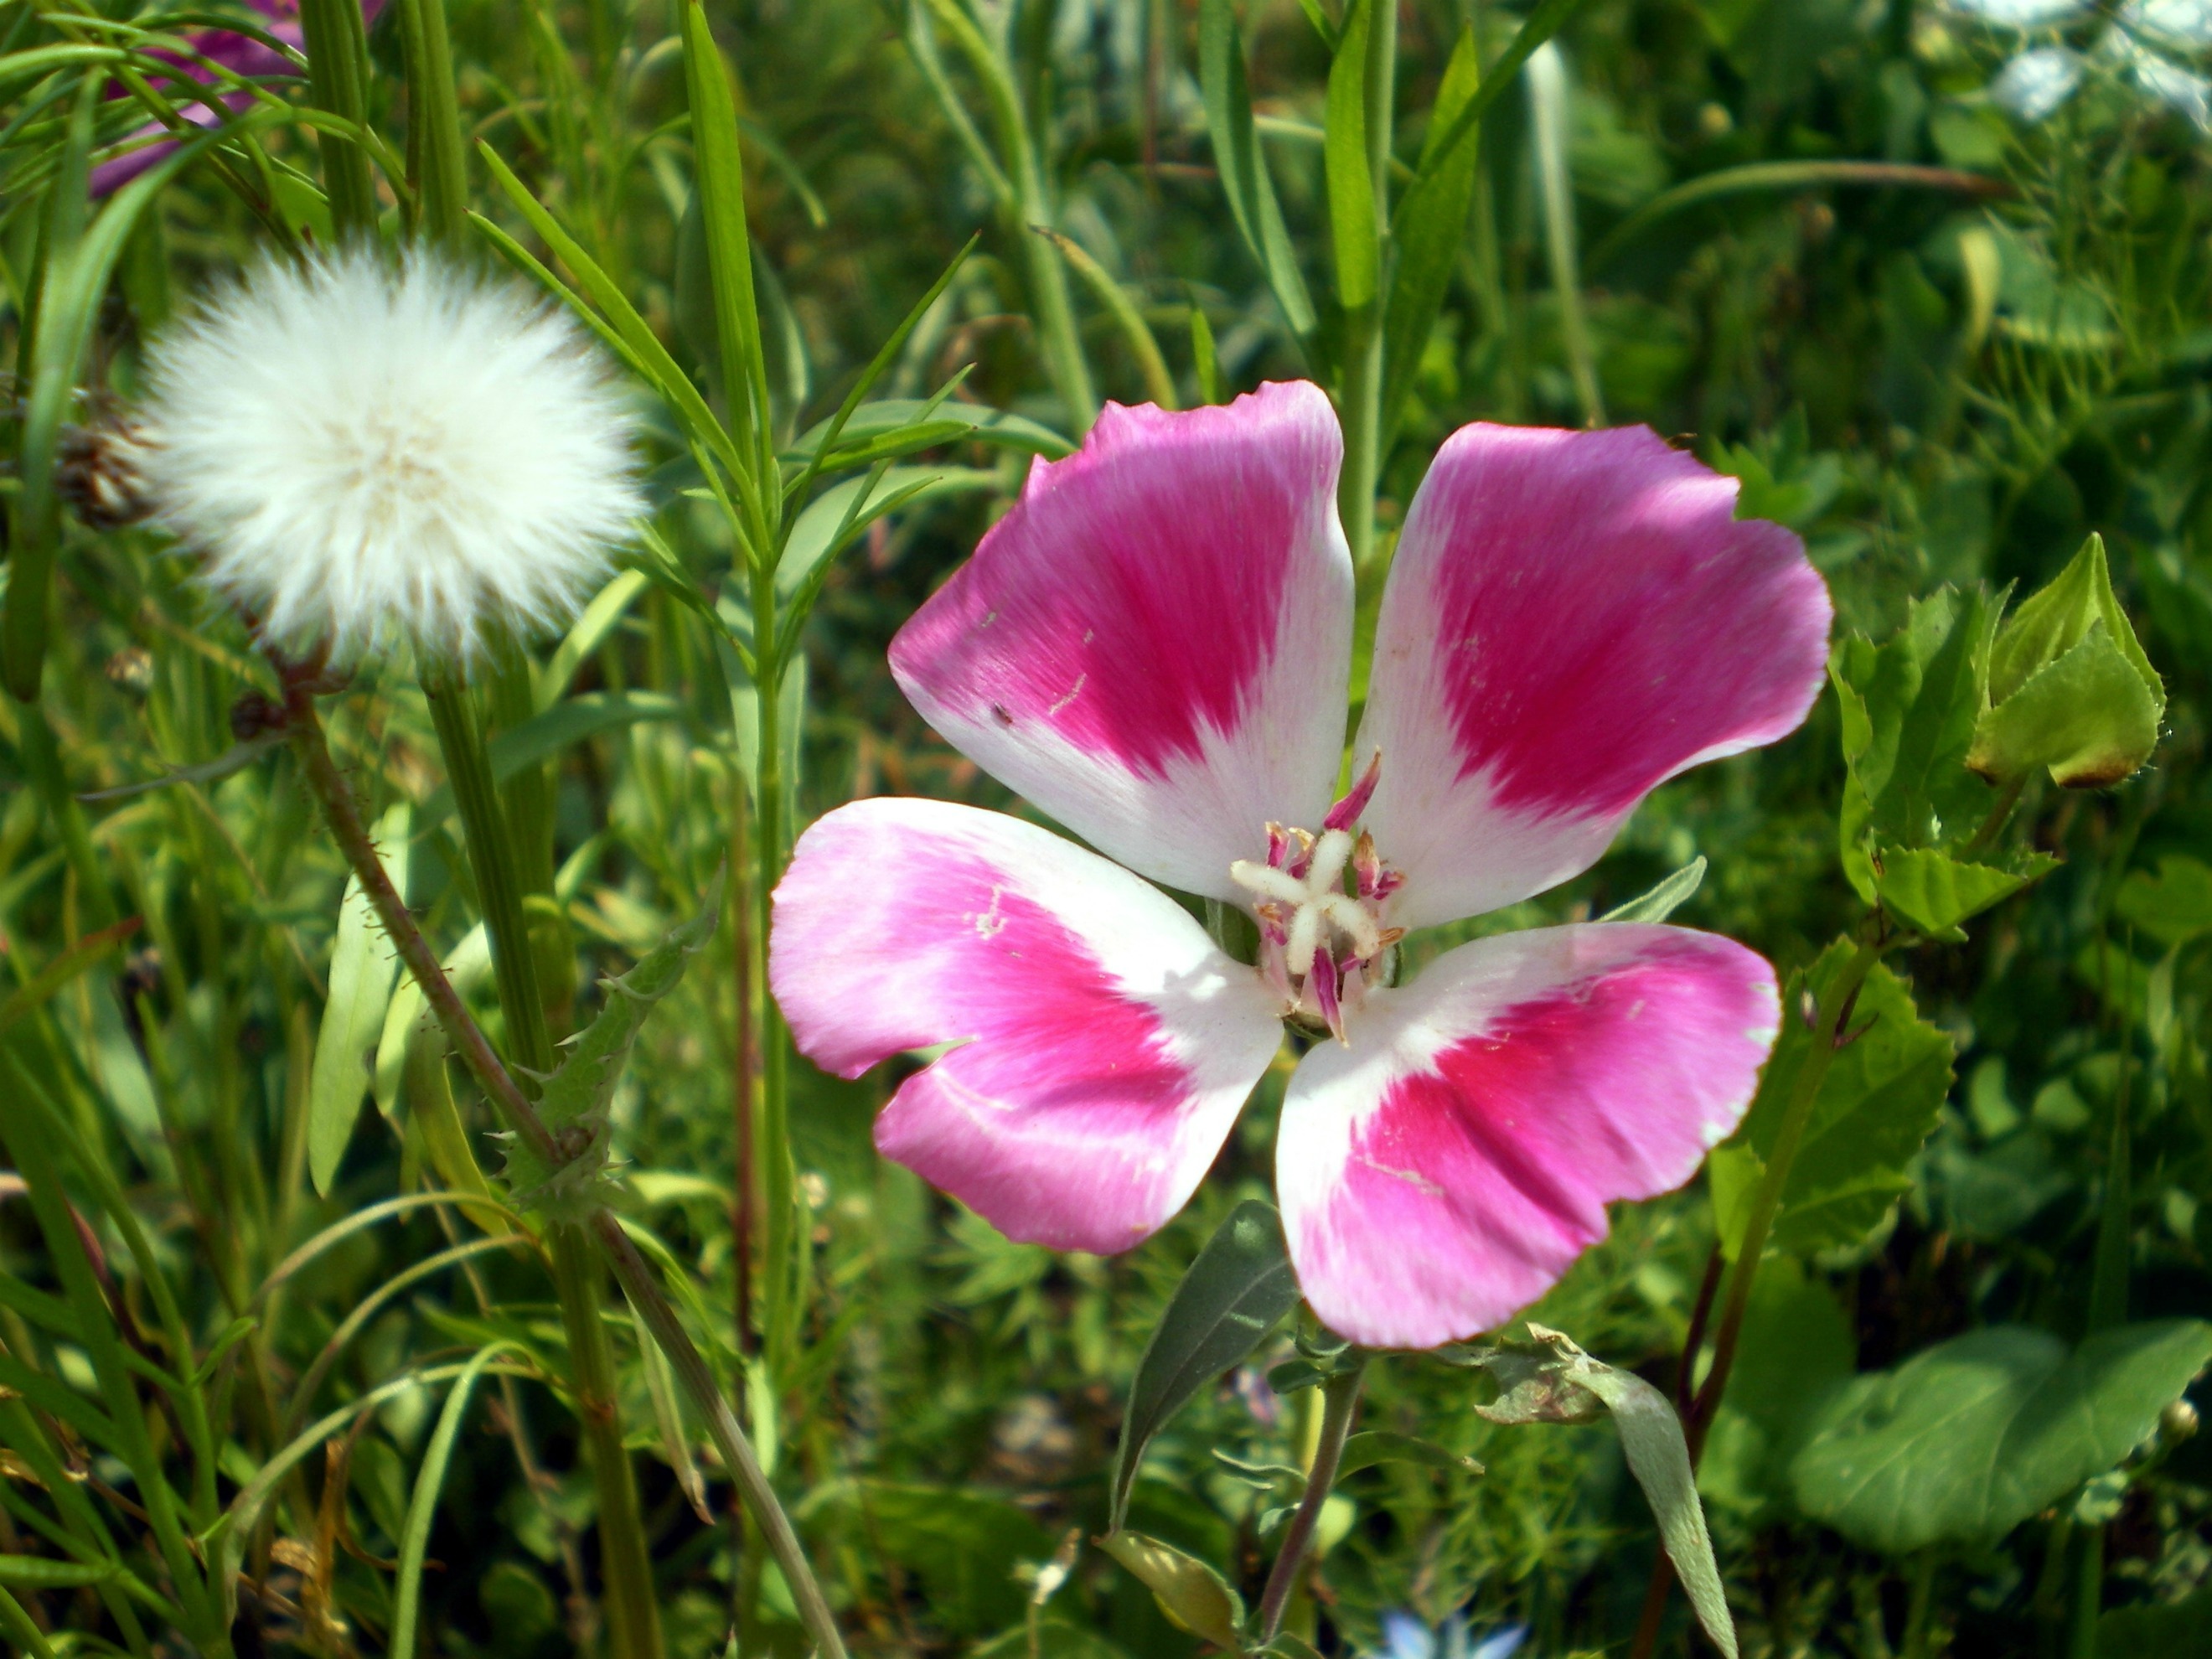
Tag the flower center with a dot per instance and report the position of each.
(1320, 938)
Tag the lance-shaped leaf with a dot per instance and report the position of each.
(1243, 168)
(362, 968)
(1193, 1596)
(1353, 228)
(1428, 227)
(1236, 1292)
(573, 1104)
(1567, 1386)
(1663, 900)
(1967, 1439)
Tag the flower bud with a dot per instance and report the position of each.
(97, 473)
(2069, 689)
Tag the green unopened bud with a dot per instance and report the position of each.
(2069, 688)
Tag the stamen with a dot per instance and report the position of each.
(1345, 812)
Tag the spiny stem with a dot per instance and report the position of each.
(1339, 1398)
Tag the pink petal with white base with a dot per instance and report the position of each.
(1440, 1174)
(1153, 645)
(1105, 1044)
(1572, 618)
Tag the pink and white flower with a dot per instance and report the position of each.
(1154, 647)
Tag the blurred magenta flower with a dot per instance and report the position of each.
(1154, 646)
(241, 54)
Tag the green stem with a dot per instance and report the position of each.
(1767, 1201)
(1359, 390)
(2000, 814)
(338, 80)
(633, 1615)
(2088, 1593)
(1340, 1399)
(435, 146)
(779, 1269)
(1919, 1614)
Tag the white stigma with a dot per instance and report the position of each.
(1309, 921)
(364, 448)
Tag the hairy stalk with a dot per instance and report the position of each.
(633, 1613)
(1340, 1399)
(1828, 1038)
(691, 1370)
(1359, 393)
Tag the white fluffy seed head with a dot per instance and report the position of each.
(363, 449)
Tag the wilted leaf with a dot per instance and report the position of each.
(1965, 1441)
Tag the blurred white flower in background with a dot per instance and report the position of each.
(2139, 48)
(365, 448)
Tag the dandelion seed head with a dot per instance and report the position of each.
(363, 450)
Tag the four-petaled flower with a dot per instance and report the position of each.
(1154, 647)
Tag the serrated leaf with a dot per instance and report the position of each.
(1663, 900)
(1566, 1385)
(1877, 1105)
(1193, 1596)
(574, 1099)
(1909, 708)
(1237, 1291)
(1967, 1439)
(363, 966)
(1932, 892)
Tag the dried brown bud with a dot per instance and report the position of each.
(97, 473)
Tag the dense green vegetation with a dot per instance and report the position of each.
(259, 1391)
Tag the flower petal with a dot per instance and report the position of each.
(1440, 1173)
(1153, 645)
(1572, 618)
(1106, 1045)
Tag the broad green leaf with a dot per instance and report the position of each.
(1237, 1290)
(1427, 228)
(2089, 719)
(1877, 1104)
(1663, 900)
(1932, 892)
(1566, 1385)
(1354, 231)
(1796, 1346)
(574, 1099)
(2175, 1630)
(363, 967)
(1967, 1439)
(2173, 906)
(1243, 166)
(1909, 708)
(1194, 1595)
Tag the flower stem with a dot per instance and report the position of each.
(1766, 1202)
(633, 1615)
(2000, 814)
(1340, 1399)
(781, 1275)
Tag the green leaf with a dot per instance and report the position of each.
(2173, 906)
(1909, 708)
(1237, 1290)
(1363, 1451)
(362, 968)
(1193, 1596)
(1136, 332)
(422, 1506)
(1965, 1441)
(1567, 1386)
(2179, 1630)
(1243, 166)
(574, 1100)
(722, 189)
(1796, 1346)
(956, 421)
(44, 1572)
(1427, 228)
(2052, 622)
(2088, 719)
(1354, 231)
(1663, 900)
(1546, 20)
(1876, 1106)
(1932, 892)
(816, 536)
